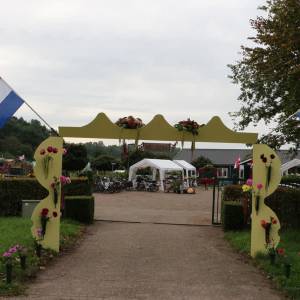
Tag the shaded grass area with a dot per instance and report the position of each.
(16, 230)
(290, 241)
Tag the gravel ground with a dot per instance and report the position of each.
(159, 207)
(121, 260)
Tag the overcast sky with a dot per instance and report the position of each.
(73, 59)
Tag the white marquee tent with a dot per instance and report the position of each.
(161, 165)
(290, 164)
(189, 170)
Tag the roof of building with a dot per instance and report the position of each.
(227, 156)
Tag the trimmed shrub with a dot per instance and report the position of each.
(233, 192)
(233, 218)
(288, 179)
(14, 190)
(286, 204)
(80, 208)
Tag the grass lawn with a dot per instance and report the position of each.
(16, 230)
(290, 241)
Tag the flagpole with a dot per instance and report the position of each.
(43, 120)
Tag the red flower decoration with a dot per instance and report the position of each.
(54, 150)
(54, 214)
(50, 149)
(45, 212)
(42, 152)
(263, 223)
(274, 221)
(280, 251)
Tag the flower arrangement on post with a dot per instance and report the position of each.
(267, 226)
(268, 167)
(55, 185)
(63, 181)
(248, 187)
(47, 158)
(8, 255)
(44, 219)
(285, 262)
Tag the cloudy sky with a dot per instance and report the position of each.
(73, 59)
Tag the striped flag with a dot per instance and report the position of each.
(10, 102)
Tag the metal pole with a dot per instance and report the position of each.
(213, 204)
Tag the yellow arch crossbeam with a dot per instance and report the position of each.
(158, 129)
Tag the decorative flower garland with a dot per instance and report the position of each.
(189, 126)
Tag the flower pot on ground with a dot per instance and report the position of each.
(23, 262)
(8, 271)
(287, 270)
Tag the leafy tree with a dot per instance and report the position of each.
(201, 162)
(105, 163)
(20, 137)
(269, 72)
(138, 155)
(76, 157)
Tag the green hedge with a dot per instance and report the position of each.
(286, 203)
(233, 192)
(233, 218)
(13, 191)
(288, 179)
(80, 208)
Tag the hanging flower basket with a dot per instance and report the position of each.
(130, 122)
(189, 126)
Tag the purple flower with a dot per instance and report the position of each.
(6, 254)
(249, 182)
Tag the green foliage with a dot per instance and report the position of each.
(16, 230)
(13, 191)
(233, 218)
(76, 157)
(288, 179)
(286, 203)
(138, 155)
(105, 163)
(95, 149)
(240, 240)
(268, 72)
(80, 208)
(233, 193)
(19, 137)
(201, 162)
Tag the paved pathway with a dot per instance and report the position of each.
(120, 260)
(157, 207)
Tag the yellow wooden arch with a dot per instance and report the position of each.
(157, 129)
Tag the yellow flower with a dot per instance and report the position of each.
(246, 188)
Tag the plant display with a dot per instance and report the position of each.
(44, 219)
(48, 158)
(268, 165)
(267, 226)
(248, 187)
(130, 122)
(189, 126)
